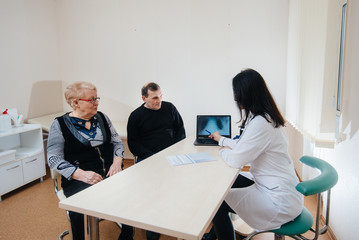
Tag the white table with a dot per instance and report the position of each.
(178, 201)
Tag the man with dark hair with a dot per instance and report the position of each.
(152, 127)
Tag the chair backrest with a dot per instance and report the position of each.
(60, 195)
(54, 174)
(325, 181)
(51, 100)
(59, 192)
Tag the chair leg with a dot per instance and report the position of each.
(249, 237)
(63, 234)
(278, 237)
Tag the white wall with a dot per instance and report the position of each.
(312, 70)
(28, 50)
(344, 157)
(191, 48)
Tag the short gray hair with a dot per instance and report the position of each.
(76, 91)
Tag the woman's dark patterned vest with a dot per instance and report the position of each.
(79, 152)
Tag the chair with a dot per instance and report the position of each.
(135, 158)
(304, 222)
(60, 195)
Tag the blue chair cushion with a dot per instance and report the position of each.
(299, 225)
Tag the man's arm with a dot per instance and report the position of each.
(134, 139)
(179, 132)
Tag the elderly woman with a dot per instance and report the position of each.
(85, 148)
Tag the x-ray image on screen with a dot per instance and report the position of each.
(210, 124)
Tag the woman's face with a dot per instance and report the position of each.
(85, 106)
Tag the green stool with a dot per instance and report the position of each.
(323, 183)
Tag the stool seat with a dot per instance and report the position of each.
(327, 179)
(299, 225)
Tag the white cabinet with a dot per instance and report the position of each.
(10, 177)
(27, 164)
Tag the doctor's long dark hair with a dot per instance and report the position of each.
(252, 96)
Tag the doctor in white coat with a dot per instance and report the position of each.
(267, 198)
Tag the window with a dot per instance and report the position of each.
(341, 57)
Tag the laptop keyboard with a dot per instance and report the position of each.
(207, 141)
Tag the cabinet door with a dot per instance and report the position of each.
(34, 167)
(10, 177)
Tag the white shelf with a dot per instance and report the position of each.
(22, 129)
(27, 151)
(7, 156)
(21, 157)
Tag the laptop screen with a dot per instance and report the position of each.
(207, 124)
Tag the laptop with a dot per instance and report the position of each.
(207, 124)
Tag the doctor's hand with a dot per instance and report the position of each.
(216, 136)
(88, 177)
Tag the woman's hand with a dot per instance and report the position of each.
(216, 136)
(89, 177)
(115, 167)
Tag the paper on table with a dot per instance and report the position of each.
(190, 158)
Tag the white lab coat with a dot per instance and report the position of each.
(273, 199)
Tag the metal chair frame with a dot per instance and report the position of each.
(54, 176)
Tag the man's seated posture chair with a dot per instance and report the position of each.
(323, 183)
